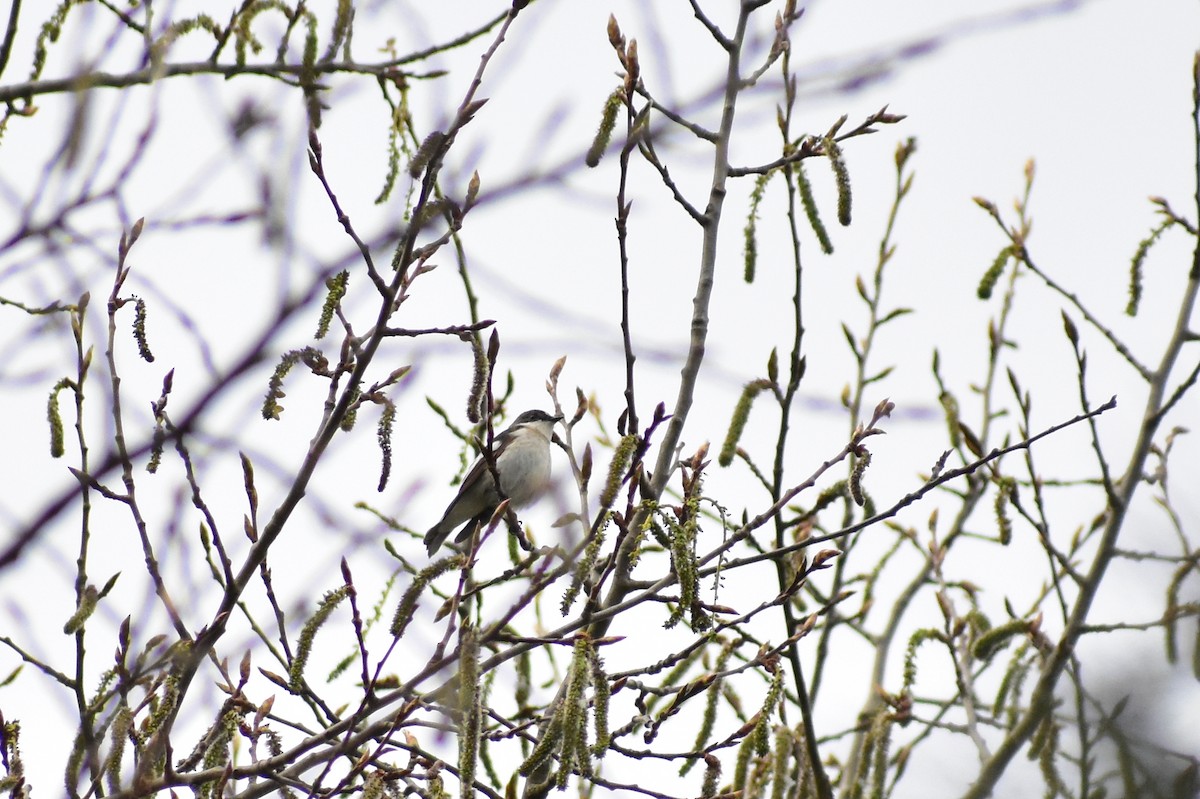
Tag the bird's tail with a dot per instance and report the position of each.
(437, 536)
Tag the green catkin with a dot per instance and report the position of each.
(608, 123)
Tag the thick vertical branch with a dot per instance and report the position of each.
(708, 259)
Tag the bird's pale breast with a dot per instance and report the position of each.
(525, 469)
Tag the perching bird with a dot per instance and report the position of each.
(522, 456)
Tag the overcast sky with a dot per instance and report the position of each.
(1097, 92)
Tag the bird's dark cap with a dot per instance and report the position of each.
(536, 415)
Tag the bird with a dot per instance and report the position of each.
(522, 457)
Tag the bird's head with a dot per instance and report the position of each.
(537, 420)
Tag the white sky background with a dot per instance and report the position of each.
(1098, 94)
